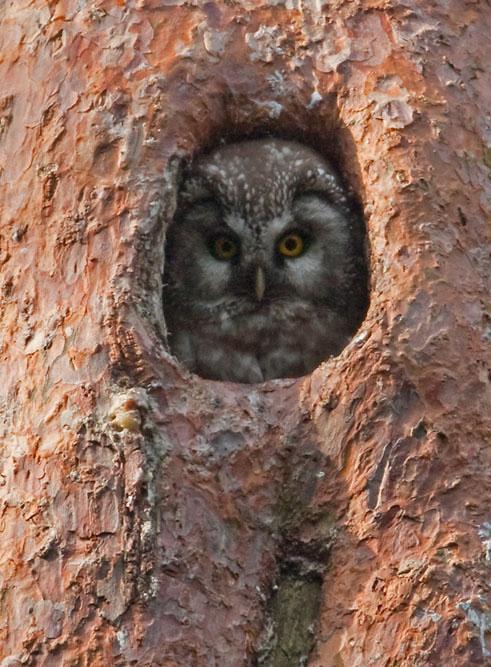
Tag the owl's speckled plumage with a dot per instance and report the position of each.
(221, 325)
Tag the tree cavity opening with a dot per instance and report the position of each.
(266, 271)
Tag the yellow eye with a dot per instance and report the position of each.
(224, 248)
(291, 245)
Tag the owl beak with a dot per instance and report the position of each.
(260, 283)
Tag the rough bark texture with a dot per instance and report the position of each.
(149, 517)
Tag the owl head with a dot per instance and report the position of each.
(262, 220)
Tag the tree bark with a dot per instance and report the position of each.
(150, 517)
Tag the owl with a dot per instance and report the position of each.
(264, 273)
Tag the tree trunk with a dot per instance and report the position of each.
(150, 517)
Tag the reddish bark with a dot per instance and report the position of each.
(145, 514)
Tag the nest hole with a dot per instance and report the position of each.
(266, 269)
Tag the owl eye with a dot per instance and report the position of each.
(224, 248)
(292, 245)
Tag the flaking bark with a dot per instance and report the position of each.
(148, 516)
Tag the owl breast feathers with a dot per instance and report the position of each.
(264, 273)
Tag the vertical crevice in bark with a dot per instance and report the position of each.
(306, 530)
(292, 617)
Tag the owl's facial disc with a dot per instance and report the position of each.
(260, 267)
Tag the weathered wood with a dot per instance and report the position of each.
(147, 516)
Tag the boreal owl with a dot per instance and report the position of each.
(264, 274)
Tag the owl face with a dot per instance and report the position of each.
(260, 223)
(261, 245)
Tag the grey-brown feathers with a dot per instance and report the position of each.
(264, 268)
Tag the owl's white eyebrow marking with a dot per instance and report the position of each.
(278, 224)
(235, 222)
